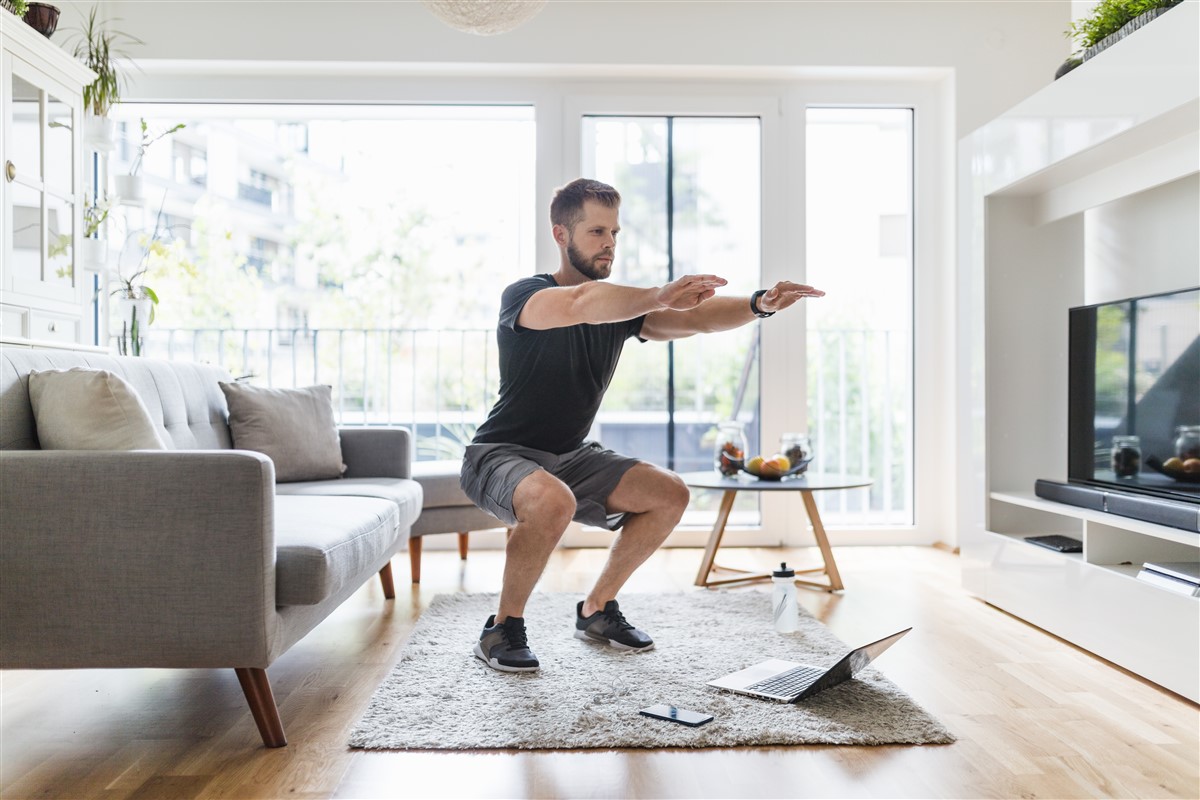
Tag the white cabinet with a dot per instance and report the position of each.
(1086, 192)
(44, 295)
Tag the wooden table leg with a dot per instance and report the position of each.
(835, 579)
(714, 538)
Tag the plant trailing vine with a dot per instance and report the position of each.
(147, 140)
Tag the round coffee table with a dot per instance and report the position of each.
(806, 484)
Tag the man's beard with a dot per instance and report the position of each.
(588, 267)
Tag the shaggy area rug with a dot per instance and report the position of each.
(440, 697)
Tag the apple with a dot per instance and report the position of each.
(1192, 466)
(1173, 464)
(754, 465)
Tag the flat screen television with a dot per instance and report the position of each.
(1135, 372)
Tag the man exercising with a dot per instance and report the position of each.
(559, 337)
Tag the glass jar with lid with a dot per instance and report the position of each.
(729, 453)
(798, 449)
(1126, 456)
(1187, 441)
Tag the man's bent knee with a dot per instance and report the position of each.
(544, 501)
(646, 488)
(675, 495)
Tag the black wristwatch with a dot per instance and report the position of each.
(758, 312)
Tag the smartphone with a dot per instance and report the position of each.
(674, 714)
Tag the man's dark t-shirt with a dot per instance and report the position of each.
(551, 381)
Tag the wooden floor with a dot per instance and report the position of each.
(1035, 717)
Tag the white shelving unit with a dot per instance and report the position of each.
(43, 291)
(1049, 193)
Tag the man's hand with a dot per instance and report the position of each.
(784, 293)
(690, 291)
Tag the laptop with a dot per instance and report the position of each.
(789, 682)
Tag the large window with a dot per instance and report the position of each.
(366, 245)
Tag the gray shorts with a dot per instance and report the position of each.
(490, 474)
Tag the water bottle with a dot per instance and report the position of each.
(783, 600)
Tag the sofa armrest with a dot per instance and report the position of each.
(136, 559)
(374, 452)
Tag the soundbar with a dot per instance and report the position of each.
(1172, 513)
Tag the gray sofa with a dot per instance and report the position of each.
(190, 557)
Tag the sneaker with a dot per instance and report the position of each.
(609, 626)
(504, 646)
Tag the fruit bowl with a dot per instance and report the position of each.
(774, 474)
(1172, 471)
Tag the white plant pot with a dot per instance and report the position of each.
(124, 312)
(129, 188)
(93, 254)
(99, 133)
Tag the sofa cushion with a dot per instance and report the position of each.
(294, 427)
(323, 543)
(89, 409)
(439, 481)
(453, 519)
(404, 492)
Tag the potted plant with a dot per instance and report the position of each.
(1107, 23)
(129, 187)
(93, 249)
(15, 7)
(99, 49)
(42, 17)
(157, 250)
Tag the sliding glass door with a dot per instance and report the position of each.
(860, 221)
(691, 203)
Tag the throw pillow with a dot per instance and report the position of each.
(294, 427)
(90, 409)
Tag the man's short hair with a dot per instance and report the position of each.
(567, 206)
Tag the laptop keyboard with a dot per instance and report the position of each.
(794, 681)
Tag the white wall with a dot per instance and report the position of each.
(1143, 244)
(1000, 51)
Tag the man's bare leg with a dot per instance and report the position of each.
(656, 499)
(544, 507)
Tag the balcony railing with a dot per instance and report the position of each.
(442, 383)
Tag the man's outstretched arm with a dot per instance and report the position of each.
(595, 302)
(721, 313)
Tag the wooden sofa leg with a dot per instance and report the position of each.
(385, 577)
(257, 689)
(462, 544)
(414, 558)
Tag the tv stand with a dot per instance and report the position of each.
(1086, 192)
(1173, 513)
(1094, 598)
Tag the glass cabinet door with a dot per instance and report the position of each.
(58, 169)
(40, 196)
